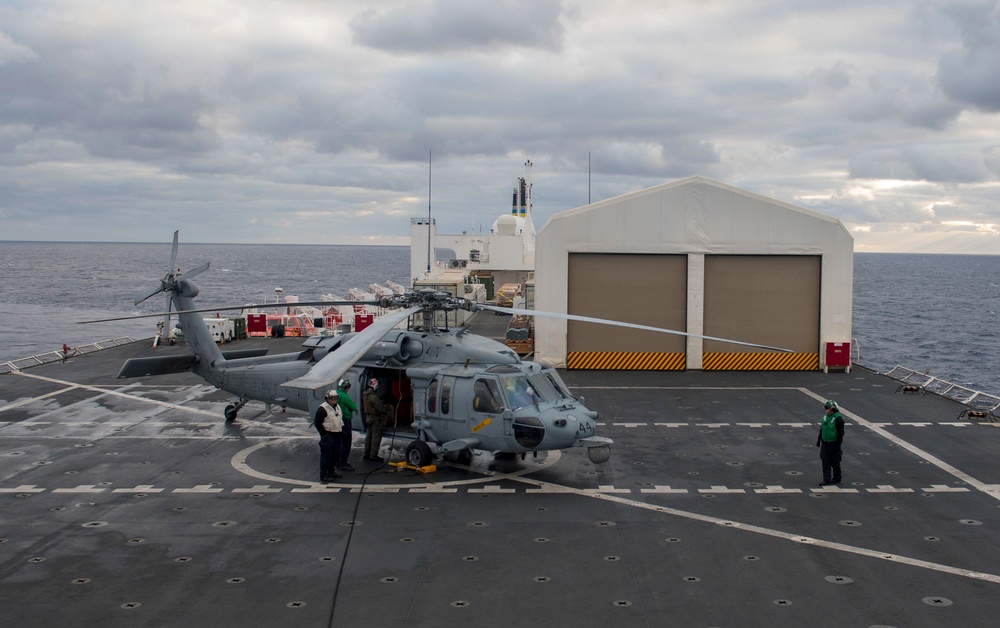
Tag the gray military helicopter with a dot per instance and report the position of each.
(454, 391)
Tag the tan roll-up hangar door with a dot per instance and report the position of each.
(632, 288)
(772, 300)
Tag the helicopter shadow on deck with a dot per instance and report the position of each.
(295, 461)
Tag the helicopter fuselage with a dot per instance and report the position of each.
(449, 388)
(451, 391)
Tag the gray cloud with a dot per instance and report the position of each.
(934, 163)
(308, 121)
(12, 52)
(970, 73)
(106, 97)
(437, 26)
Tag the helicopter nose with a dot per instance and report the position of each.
(566, 429)
(583, 426)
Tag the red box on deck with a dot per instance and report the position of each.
(838, 354)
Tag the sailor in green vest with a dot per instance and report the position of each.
(829, 441)
(348, 408)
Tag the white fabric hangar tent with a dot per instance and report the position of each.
(701, 257)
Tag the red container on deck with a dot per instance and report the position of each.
(257, 324)
(362, 320)
(838, 354)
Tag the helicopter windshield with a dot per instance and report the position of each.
(522, 391)
(543, 387)
(558, 385)
(518, 391)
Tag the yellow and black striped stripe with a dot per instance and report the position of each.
(760, 362)
(625, 361)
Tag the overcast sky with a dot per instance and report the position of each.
(312, 121)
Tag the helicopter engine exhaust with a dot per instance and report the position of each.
(402, 348)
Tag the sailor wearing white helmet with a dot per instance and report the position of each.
(329, 423)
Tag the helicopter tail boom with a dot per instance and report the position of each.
(167, 364)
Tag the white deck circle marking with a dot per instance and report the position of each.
(240, 463)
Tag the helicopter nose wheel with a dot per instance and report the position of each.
(418, 454)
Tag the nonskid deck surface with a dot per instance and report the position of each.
(132, 503)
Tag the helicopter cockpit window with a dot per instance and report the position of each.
(446, 396)
(486, 396)
(432, 395)
(519, 392)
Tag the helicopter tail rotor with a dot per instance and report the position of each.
(173, 283)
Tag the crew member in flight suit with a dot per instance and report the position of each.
(329, 423)
(829, 441)
(377, 414)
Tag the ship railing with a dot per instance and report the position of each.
(855, 351)
(974, 399)
(58, 355)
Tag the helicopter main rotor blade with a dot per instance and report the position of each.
(173, 254)
(194, 271)
(604, 321)
(335, 364)
(145, 294)
(251, 306)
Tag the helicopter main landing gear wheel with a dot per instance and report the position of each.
(418, 454)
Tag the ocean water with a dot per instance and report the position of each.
(47, 287)
(934, 313)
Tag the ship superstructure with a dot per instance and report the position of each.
(505, 255)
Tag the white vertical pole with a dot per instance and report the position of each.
(429, 244)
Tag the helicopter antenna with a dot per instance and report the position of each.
(429, 244)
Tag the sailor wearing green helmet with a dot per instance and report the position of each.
(829, 441)
(348, 408)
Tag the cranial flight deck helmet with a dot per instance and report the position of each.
(831, 404)
(332, 394)
(344, 383)
(373, 383)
